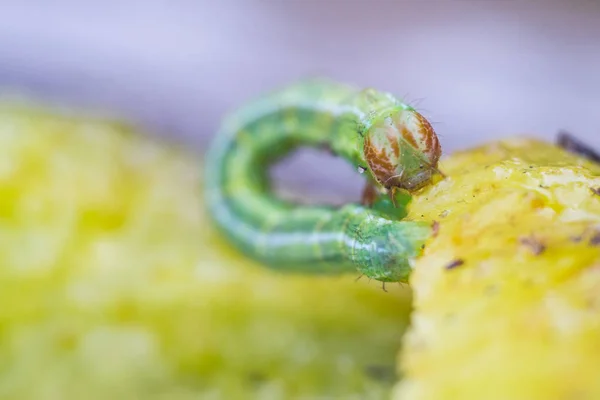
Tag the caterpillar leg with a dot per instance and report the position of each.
(375, 132)
(391, 204)
(369, 195)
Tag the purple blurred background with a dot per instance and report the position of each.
(479, 69)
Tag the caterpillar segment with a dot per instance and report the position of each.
(392, 143)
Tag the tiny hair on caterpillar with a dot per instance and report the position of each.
(388, 142)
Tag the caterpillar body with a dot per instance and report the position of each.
(380, 135)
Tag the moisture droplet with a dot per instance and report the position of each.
(361, 170)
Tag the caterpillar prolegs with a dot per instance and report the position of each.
(388, 140)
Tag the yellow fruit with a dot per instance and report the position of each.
(507, 295)
(113, 284)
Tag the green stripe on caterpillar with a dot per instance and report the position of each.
(388, 140)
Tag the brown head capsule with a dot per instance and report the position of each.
(402, 150)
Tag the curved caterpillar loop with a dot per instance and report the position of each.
(393, 144)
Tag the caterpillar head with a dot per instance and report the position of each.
(402, 150)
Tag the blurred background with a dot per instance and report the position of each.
(118, 286)
(478, 69)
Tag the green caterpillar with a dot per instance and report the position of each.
(374, 131)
